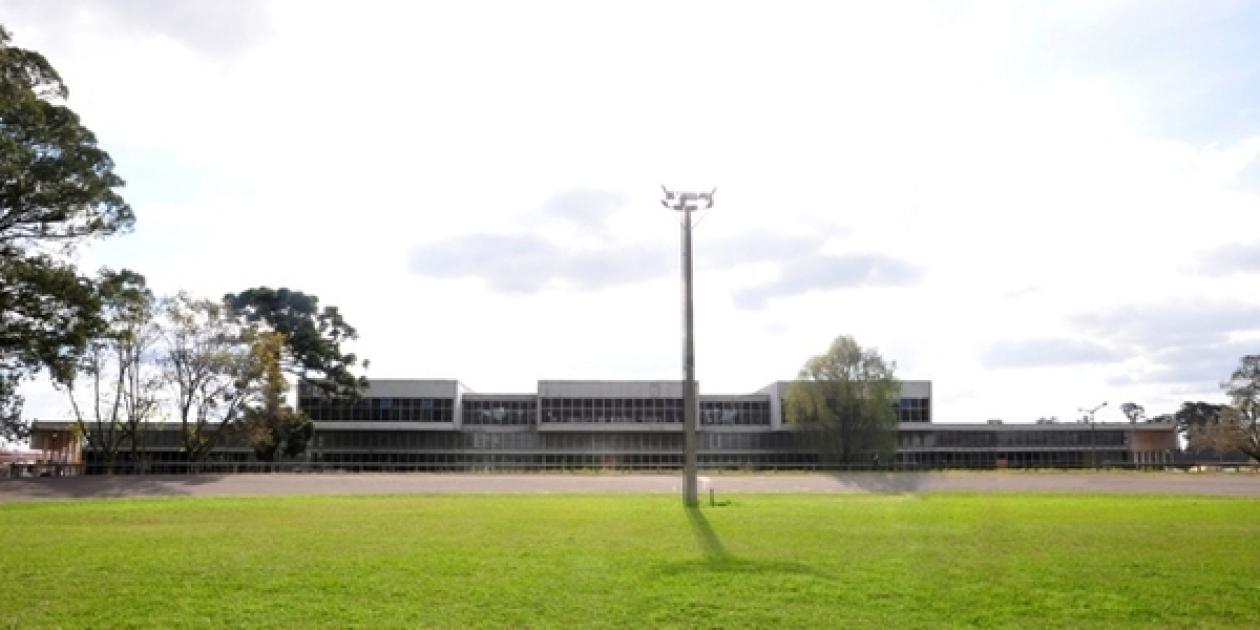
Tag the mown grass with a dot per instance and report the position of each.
(632, 561)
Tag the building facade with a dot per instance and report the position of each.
(442, 425)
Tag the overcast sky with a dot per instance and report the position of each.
(1039, 207)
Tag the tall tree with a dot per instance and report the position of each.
(1133, 411)
(57, 189)
(112, 391)
(209, 368)
(1239, 426)
(273, 428)
(1193, 422)
(844, 402)
(312, 336)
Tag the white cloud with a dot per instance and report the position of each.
(1047, 352)
(1173, 324)
(822, 272)
(525, 263)
(224, 27)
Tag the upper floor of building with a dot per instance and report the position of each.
(566, 405)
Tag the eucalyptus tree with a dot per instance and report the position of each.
(1238, 428)
(209, 369)
(1134, 412)
(57, 190)
(113, 389)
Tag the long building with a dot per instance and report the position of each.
(443, 425)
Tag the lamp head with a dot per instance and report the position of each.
(687, 201)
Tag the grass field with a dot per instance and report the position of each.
(633, 561)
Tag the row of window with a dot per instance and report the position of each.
(914, 410)
(322, 409)
(565, 410)
(653, 410)
(1014, 459)
(732, 412)
(532, 441)
(511, 412)
(523, 412)
(612, 410)
(993, 439)
(461, 460)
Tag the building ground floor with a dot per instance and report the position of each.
(439, 425)
(921, 447)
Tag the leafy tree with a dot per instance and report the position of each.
(57, 189)
(1194, 421)
(312, 336)
(1236, 432)
(112, 391)
(274, 429)
(1133, 411)
(843, 402)
(1238, 428)
(47, 316)
(208, 365)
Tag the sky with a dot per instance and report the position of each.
(1037, 206)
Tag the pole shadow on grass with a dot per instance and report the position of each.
(717, 559)
(710, 544)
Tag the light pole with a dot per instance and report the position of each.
(687, 203)
(1093, 442)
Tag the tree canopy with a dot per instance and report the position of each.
(1133, 411)
(1192, 419)
(312, 336)
(48, 314)
(210, 368)
(57, 188)
(1239, 425)
(56, 184)
(112, 390)
(844, 403)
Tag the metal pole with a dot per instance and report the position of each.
(1093, 441)
(1093, 444)
(687, 202)
(691, 402)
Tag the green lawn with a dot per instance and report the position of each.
(634, 561)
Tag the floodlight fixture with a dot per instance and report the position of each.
(687, 201)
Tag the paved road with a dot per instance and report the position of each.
(1222, 484)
